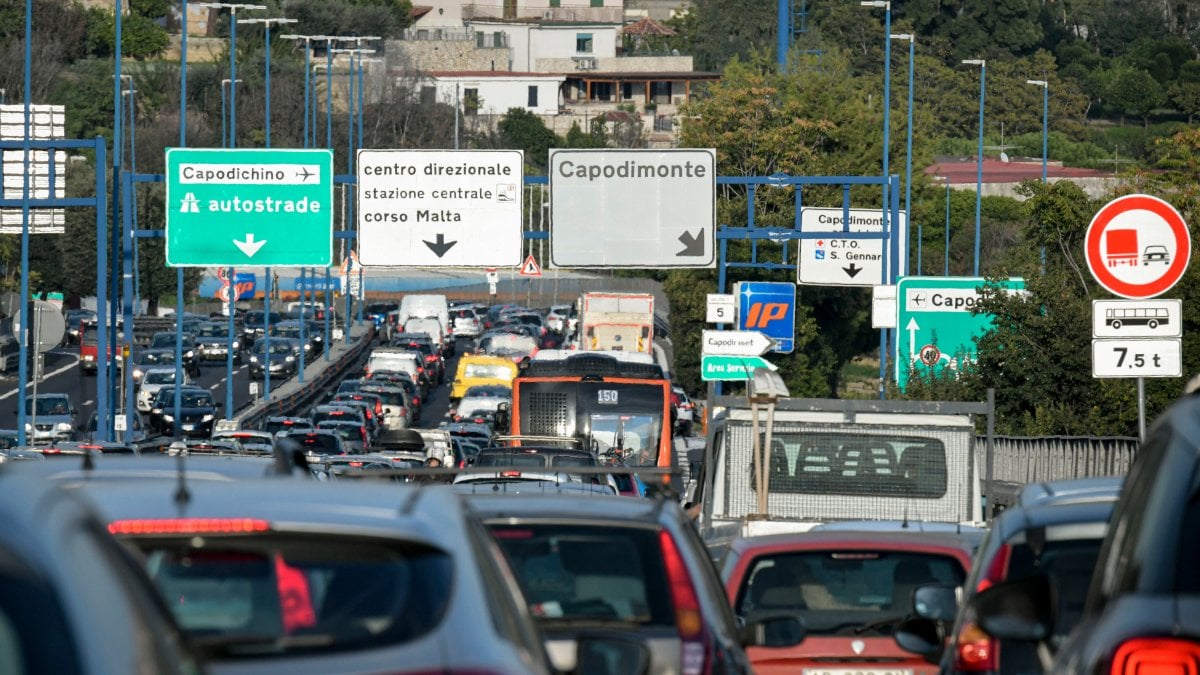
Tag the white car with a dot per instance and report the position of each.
(154, 379)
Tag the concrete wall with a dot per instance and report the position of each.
(427, 55)
(498, 94)
(200, 49)
(549, 42)
(1093, 187)
(444, 13)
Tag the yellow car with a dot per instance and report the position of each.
(475, 369)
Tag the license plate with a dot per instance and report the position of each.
(857, 671)
(189, 427)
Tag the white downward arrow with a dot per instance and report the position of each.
(249, 247)
(912, 329)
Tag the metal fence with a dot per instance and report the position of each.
(1030, 460)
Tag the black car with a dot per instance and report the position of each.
(213, 343)
(318, 442)
(166, 341)
(283, 359)
(198, 412)
(254, 324)
(1142, 613)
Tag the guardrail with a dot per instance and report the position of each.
(1033, 460)
(312, 390)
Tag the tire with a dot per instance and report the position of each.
(1153, 324)
(1116, 325)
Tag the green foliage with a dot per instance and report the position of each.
(149, 8)
(720, 30)
(576, 138)
(524, 130)
(386, 18)
(141, 37)
(1135, 93)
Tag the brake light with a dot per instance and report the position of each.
(1156, 656)
(356, 464)
(510, 474)
(977, 651)
(688, 620)
(188, 526)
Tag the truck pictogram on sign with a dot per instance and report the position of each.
(1122, 247)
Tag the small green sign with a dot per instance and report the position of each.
(252, 207)
(935, 327)
(731, 368)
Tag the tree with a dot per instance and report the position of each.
(719, 30)
(576, 138)
(1185, 93)
(524, 130)
(1135, 93)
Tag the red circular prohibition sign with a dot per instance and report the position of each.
(1119, 206)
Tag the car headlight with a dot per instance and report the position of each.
(289, 358)
(137, 374)
(89, 357)
(62, 426)
(168, 418)
(235, 344)
(189, 354)
(28, 428)
(207, 418)
(253, 359)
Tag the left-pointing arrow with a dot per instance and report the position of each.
(249, 247)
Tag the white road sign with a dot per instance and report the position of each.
(883, 307)
(722, 308)
(440, 208)
(1137, 358)
(735, 343)
(1137, 318)
(633, 208)
(841, 261)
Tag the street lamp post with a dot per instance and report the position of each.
(226, 141)
(1045, 85)
(233, 22)
(946, 265)
(979, 159)
(912, 42)
(885, 334)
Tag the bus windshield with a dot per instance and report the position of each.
(634, 437)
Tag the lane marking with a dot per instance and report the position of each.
(89, 402)
(74, 362)
(214, 387)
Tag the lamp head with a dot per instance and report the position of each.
(1040, 83)
(975, 62)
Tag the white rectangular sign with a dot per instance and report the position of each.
(883, 307)
(1137, 358)
(721, 308)
(841, 261)
(633, 208)
(1137, 318)
(735, 343)
(440, 208)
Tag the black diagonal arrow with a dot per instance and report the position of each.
(692, 245)
(440, 247)
(852, 270)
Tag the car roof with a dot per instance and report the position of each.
(1072, 491)
(835, 539)
(153, 466)
(1022, 518)
(551, 507)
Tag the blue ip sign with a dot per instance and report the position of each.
(770, 308)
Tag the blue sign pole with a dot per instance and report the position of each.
(127, 303)
(115, 233)
(178, 402)
(303, 321)
(22, 343)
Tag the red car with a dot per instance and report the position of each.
(850, 587)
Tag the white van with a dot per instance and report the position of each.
(430, 306)
(394, 360)
(430, 327)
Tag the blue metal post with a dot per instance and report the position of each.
(224, 120)
(127, 303)
(946, 266)
(137, 288)
(178, 403)
(102, 398)
(22, 342)
(232, 83)
(304, 319)
(912, 45)
(229, 344)
(267, 28)
(783, 37)
(979, 159)
(307, 78)
(115, 233)
(362, 288)
(328, 311)
(329, 93)
(1045, 147)
(267, 270)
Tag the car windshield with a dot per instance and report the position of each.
(159, 377)
(156, 358)
(508, 344)
(487, 391)
(255, 319)
(280, 593)
(635, 437)
(488, 371)
(48, 406)
(567, 572)
(277, 347)
(318, 444)
(165, 340)
(197, 400)
(851, 592)
(275, 426)
(213, 330)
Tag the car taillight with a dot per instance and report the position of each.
(187, 526)
(420, 369)
(1155, 656)
(378, 407)
(688, 620)
(416, 401)
(976, 650)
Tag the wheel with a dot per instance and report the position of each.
(1153, 324)
(1116, 325)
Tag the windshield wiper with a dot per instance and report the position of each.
(876, 625)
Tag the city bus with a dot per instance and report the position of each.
(1151, 317)
(615, 403)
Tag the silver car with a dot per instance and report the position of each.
(49, 418)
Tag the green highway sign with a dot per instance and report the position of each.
(731, 368)
(252, 207)
(935, 327)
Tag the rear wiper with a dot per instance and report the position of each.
(876, 625)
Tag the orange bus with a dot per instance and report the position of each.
(614, 403)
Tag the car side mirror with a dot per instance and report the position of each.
(1022, 609)
(936, 601)
(773, 630)
(920, 636)
(611, 655)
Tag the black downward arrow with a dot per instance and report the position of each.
(440, 247)
(692, 245)
(852, 270)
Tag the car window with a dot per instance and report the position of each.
(298, 595)
(198, 400)
(589, 572)
(488, 371)
(320, 444)
(27, 605)
(159, 377)
(275, 426)
(1069, 564)
(842, 592)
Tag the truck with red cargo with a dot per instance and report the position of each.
(1122, 247)
(616, 322)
